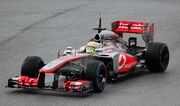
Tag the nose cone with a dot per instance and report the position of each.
(58, 63)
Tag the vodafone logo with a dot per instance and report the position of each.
(122, 61)
(130, 65)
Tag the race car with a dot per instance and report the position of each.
(90, 67)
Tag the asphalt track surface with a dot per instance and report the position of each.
(41, 27)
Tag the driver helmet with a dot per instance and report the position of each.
(91, 46)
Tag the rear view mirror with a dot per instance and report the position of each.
(69, 48)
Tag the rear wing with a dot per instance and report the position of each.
(143, 28)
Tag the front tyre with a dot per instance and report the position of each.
(157, 57)
(96, 72)
(31, 66)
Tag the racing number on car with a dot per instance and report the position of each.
(122, 61)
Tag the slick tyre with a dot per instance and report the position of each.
(31, 66)
(96, 72)
(157, 57)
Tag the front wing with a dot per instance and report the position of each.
(80, 86)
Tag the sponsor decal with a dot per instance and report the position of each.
(134, 26)
(122, 61)
(130, 65)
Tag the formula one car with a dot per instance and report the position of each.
(85, 72)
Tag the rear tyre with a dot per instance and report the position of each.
(96, 72)
(31, 66)
(157, 57)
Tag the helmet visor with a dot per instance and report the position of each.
(90, 50)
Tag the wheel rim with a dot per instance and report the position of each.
(101, 78)
(164, 57)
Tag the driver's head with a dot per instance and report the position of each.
(91, 46)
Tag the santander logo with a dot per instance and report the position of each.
(122, 61)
